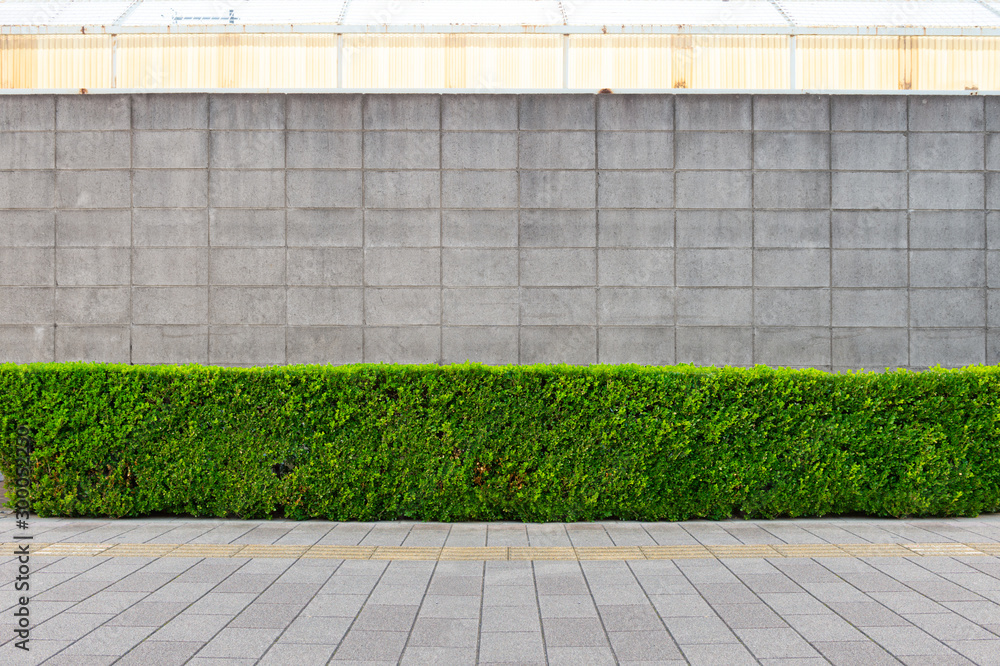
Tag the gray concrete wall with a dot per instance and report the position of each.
(827, 231)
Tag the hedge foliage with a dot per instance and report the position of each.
(470, 442)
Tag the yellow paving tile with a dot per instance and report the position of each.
(686, 552)
(875, 550)
(138, 550)
(254, 550)
(475, 554)
(405, 553)
(612, 553)
(542, 553)
(340, 552)
(74, 549)
(204, 550)
(810, 550)
(942, 549)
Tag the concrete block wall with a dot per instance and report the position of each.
(806, 231)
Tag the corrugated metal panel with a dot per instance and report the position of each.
(898, 63)
(673, 12)
(678, 61)
(452, 61)
(805, 13)
(61, 61)
(227, 61)
(453, 12)
(259, 12)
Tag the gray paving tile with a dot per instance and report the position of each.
(573, 632)
(266, 615)
(980, 612)
(774, 643)
(456, 585)
(566, 605)
(510, 618)
(228, 603)
(826, 627)
(847, 653)
(950, 627)
(727, 654)
(666, 585)
(147, 614)
(682, 605)
(567, 584)
(953, 659)
(335, 605)
(907, 641)
(165, 653)
(445, 656)
(70, 626)
(240, 643)
(396, 595)
(749, 615)
(868, 614)
(509, 595)
(444, 632)
(630, 618)
(385, 618)
(296, 654)
(907, 602)
(109, 641)
(980, 652)
(571, 656)
(316, 630)
(191, 627)
(692, 630)
(511, 647)
(445, 606)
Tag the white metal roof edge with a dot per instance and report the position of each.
(499, 29)
(490, 91)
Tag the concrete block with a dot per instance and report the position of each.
(641, 345)
(558, 189)
(862, 190)
(947, 229)
(714, 307)
(713, 189)
(170, 266)
(574, 345)
(402, 112)
(791, 307)
(557, 150)
(635, 189)
(490, 345)
(479, 228)
(28, 228)
(714, 268)
(480, 307)
(24, 266)
(557, 112)
(335, 345)
(92, 266)
(791, 189)
(791, 229)
(868, 113)
(27, 344)
(169, 150)
(323, 150)
(479, 189)
(798, 346)
(323, 306)
(635, 112)
(28, 189)
(993, 190)
(338, 227)
(791, 268)
(169, 226)
(634, 228)
(93, 112)
(170, 305)
(245, 266)
(714, 228)
(410, 344)
(791, 150)
(247, 226)
(93, 150)
(869, 229)
(791, 112)
(993, 346)
(325, 266)
(323, 112)
(959, 308)
(26, 113)
(402, 228)
(170, 111)
(402, 266)
(402, 307)
(91, 305)
(472, 112)
(713, 150)
(870, 308)
(624, 306)
(246, 345)
(712, 112)
(169, 188)
(635, 150)
(868, 151)
(993, 151)
(992, 230)
(88, 189)
(715, 346)
(473, 267)
(247, 150)
(402, 150)
(254, 111)
(574, 306)
(402, 189)
(558, 267)
(26, 305)
(993, 308)
(321, 189)
(946, 113)
(247, 305)
(153, 345)
(941, 151)
(27, 150)
(948, 347)
(947, 268)
(869, 268)
(479, 150)
(635, 267)
(870, 348)
(993, 269)
(93, 344)
(992, 114)
(93, 228)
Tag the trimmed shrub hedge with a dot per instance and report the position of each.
(469, 442)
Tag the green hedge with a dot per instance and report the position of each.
(469, 442)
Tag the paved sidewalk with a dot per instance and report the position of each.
(174, 591)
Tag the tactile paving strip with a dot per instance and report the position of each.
(506, 553)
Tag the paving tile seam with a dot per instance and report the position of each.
(507, 553)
